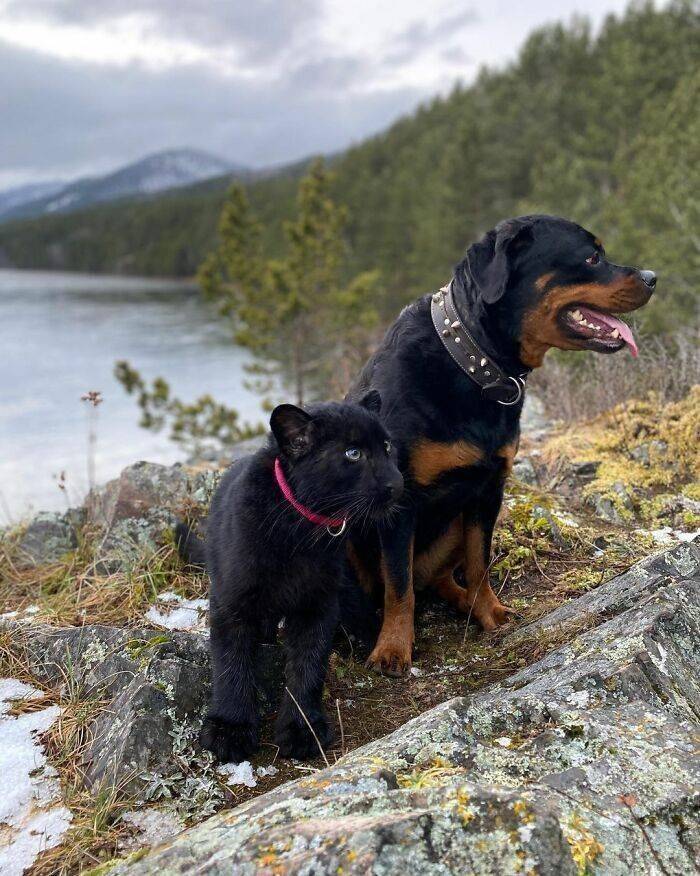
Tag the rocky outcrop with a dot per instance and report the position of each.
(586, 761)
(135, 510)
(49, 537)
(154, 687)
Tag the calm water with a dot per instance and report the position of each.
(60, 335)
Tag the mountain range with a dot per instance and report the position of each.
(150, 175)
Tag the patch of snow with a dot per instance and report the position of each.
(266, 771)
(505, 741)
(30, 805)
(179, 613)
(667, 535)
(155, 826)
(20, 614)
(238, 773)
(416, 671)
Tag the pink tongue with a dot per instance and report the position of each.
(612, 323)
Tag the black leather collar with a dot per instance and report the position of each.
(495, 384)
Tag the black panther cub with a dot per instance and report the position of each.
(274, 549)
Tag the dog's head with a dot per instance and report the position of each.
(546, 282)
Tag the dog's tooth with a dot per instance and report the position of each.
(615, 334)
(577, 315)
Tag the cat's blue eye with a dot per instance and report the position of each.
(353, 454)
(387, 447)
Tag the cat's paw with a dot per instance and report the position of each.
(228, 742)
(296, 740)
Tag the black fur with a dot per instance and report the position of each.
(267, 562)
(427, 396)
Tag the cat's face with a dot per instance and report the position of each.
(340, 458)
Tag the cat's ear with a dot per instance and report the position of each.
(372, 401)
(290, 426)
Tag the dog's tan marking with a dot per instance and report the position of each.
(542, 281)
(365, 578)
(508, 453)
(440, 557)
(393, 651)
(480, 599)
(430, 459)
(540, 329)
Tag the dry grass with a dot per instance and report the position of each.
(73, 593)
(574, 388)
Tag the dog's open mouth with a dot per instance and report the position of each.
(601, 331)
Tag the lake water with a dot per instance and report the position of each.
(60, 335)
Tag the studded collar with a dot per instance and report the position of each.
(495, 384)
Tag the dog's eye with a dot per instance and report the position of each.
(353, 454)
(593, 259)
(387, 447)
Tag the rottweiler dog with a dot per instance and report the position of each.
(530, 284)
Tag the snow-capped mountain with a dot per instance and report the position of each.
(18, 195)
(155, 173)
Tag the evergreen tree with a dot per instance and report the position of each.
(294, 314)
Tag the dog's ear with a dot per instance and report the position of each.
(291, 427)
(491, 259)
(372, 401)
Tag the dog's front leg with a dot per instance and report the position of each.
(480, 600)
(308, 637)
(393, 651)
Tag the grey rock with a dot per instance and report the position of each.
(614, 510)
(524, 471)
(652, 449)
(586, 470)
(533, 421)
(136, 509)
(586, 761)
(48, 537)
(156, 685)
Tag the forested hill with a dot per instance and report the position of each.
(604, 129)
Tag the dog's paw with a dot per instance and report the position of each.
(296, 740)
(494, 616)
(228, 742)
(391, 657)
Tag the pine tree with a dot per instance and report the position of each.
(294, 314)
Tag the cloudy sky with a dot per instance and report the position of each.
(87, 85)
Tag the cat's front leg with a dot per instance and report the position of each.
(302, 729)
(232, 725)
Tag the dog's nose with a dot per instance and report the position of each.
(649, 278)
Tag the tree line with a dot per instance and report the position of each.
(600, 127)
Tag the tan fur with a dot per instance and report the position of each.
(540, 329)
(430, 459)
(393, 651)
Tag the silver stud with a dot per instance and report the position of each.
(436, 297)
(487, 373)
(447, 322)
(455, 324)
(472, 369)
(482, 363)
(472, 358)
(457, 340)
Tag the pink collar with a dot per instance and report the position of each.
(319, 519)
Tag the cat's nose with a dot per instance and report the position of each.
(391, 491)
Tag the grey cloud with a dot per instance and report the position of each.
(423, 34)
(63, 118)
(258, 29)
